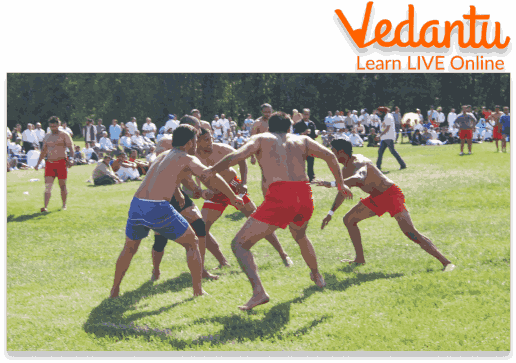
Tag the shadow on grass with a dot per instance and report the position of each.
(236, 216)
(25, 217)
(108, 320)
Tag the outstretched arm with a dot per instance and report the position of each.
(237, 156)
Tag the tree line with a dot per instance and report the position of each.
(74, 97)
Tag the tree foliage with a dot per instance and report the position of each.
(74, 97)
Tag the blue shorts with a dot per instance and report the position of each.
(157, 215)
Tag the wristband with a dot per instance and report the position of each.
(330, 213)
(333, 184)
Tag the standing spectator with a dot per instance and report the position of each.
(132, 126)
(387, 137)
(348, 123)
(354, 117)
(29, 138)
(40, 133)
(421, 118)
(106, 145)
(375, 121)
(371, 138)
(172, 123)
(505, 121)
(149, 129)
(123, 127)
(466, 123)
(103, 174)
(364, 119)
(114, 132)
(232, 126)
(89, 132)
(328, 121)
(441, 118)
(100, 128)
(432, 114)
(296, 116)
(225, 125)
(397, 121)
(67, 129)
(451, 119)
(307, 127)
(248, 123)
(217, 127)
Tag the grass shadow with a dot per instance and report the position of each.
(25, 217)
(235, 216)
(333, 284)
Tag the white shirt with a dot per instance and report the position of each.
(33, 157)
(29, 136)
(354, 117)
(434, 134)
(149, 130)
(9, 135)
(171, 124)
(40, 134)
(15, 148)
(364, 119)
(433, 114)
(151, 157)
(421, 118)
(388, 121)
(451, 119)
(328, 120)
(106, 143)
(216, 125)
(356, 140)
(126, 141)
(419, 127)
(60, 128)
(68, 131)
(441, 118)
(131, 127)
(338, 122)
(87, 152)
(225, 124)
(137, 140)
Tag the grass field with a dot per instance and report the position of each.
(60, 269)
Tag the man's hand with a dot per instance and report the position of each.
(322, 183)
(69, 163)
(325, 221)
(241, 189)
(180, 199)
(345, 191)
(237, 202)
(207, 194)
(208, 174)
(197, 193)
(253, 160)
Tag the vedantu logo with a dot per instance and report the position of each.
(384, 27)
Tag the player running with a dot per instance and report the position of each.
(288, 201)
(54, 147)
(151, 209)
(385, 196)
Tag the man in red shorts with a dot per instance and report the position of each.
(54, 147)
(497, 128)
(384, 196)
(466, 123)
(210, 153)
(288, 201)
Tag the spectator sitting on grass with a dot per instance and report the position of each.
(240, 141)
(138, 143)
(360, 130)
(143, 166)
(14, 148)
(106, 145)
(126, 142)
(355, 139)
(125, 169)
(371, 142)
(33, 157)
(433, 137)
(417, 139)
(89, 153)
(151, 156)
(78, 156)
(103, 173)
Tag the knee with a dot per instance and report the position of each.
(413, 235)
(199, 228)
(349, 221)
(159, 243)
(131, 249)
(48, 188)
(236, 244)
(63, 188)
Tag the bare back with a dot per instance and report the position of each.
(210, 159)
(165, 174)
(375, 182)
(282, 157)
(56, 145)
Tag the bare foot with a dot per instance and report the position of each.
(64, 207)
(202, 293)
(207, 275)
(256, 300)
(114, 292)
(318, 279)
(449, 267)
(44, 210)
(155, 275)
(221, 266)
(287, 261)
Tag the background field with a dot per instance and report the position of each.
(60, 269)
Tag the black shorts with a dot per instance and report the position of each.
(175, 204)
(507, 131)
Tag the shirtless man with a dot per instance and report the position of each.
(204, 124)
(261, 125)
(151, 209)
(209, 154)
(54, 147)
(288, 201)
(385, 196)
(497, 128)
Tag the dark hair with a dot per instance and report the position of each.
(182, 134)
(53, 120)
(344, 145)
(279, 122)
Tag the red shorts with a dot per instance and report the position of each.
(286, 202)
(392, 201)
(466, 134)
(56, 168)
(220, 201)
(497, 135)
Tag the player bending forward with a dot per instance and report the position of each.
(151, 209)
(385, 196)
(288, 200)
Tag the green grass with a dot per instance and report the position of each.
(60, 270)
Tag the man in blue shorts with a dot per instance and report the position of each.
(151, 208)
(505, 121)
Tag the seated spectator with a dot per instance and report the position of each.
(17, 135)
(427, 125)
(151, 156)
(90, 153)
(126, 142)
(106, 145)
(14, 148)
(149, 129)
(426, 136)
(355, 139)
(103, 173)
(125, 169)
(143, 166)
(78, 156)
(433, 132)
(371, 139)
(324, 137)
(33, 157)
(417, 139)
(240, 140)
(443, 136)
(360, 130)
